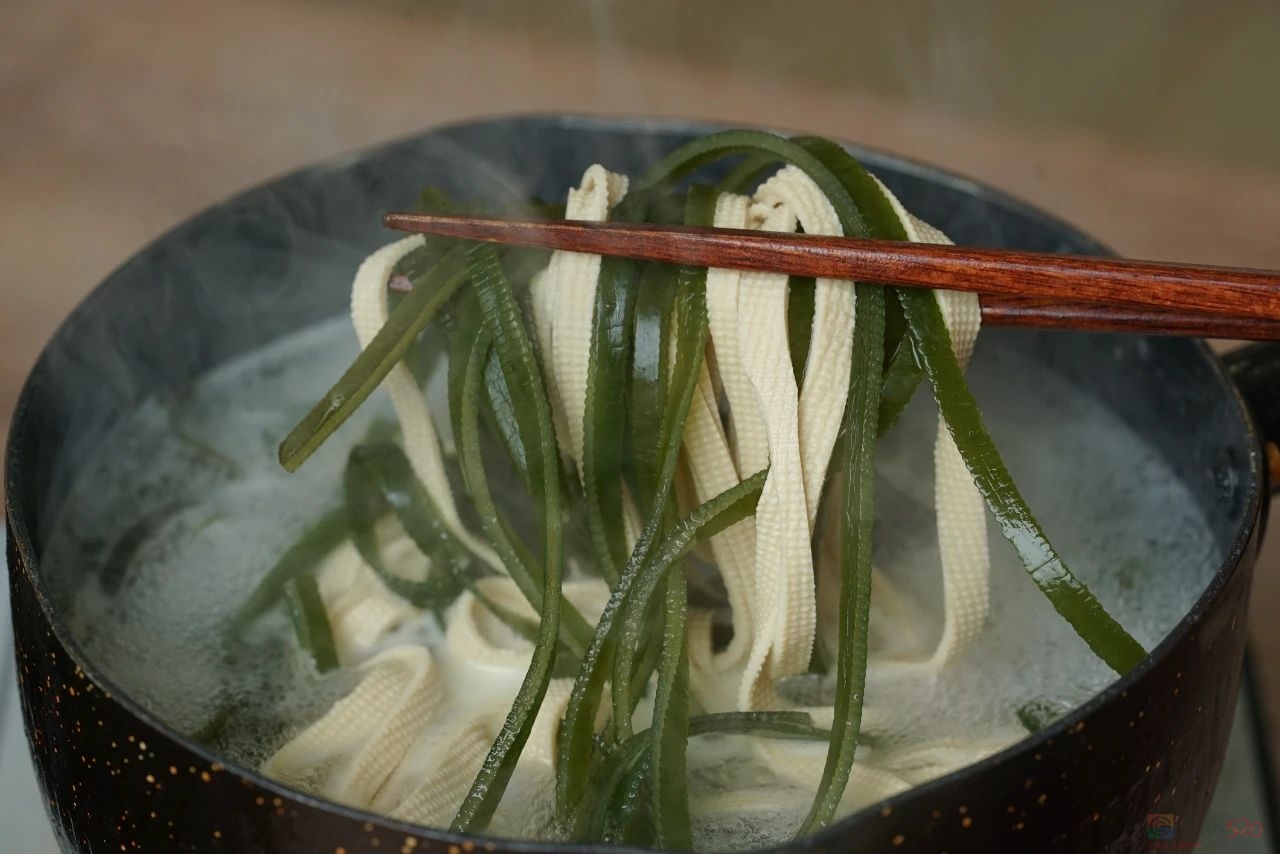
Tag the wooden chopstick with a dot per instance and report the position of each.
(1017, 288)
(1003, 310)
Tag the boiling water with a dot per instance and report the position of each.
(185, 508)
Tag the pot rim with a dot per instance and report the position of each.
(21, 542)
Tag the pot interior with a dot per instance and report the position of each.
(1135, 453)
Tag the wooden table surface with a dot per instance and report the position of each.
(119, 119)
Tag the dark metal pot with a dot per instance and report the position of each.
(279, 257)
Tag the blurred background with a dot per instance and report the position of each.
(1151, 125)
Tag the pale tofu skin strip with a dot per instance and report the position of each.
(960, 510)
(570, 283)
(350, 752)
(542, 301)
(959, 506)
(826, 373)
(369, 314)
(360, 607)
(562, 298)
(733, 549)
(710, 456)
(435, 776)
(784, 607)
(389, 746)
(746, 427)
(801, 432)
(431, 783)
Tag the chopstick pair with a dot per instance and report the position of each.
(1015, 288)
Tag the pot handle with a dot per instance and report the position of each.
(1256, 371)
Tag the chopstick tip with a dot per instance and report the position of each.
(395, 220)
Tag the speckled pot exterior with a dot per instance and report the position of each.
(116, 779)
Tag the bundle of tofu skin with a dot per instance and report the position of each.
(409, 738)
